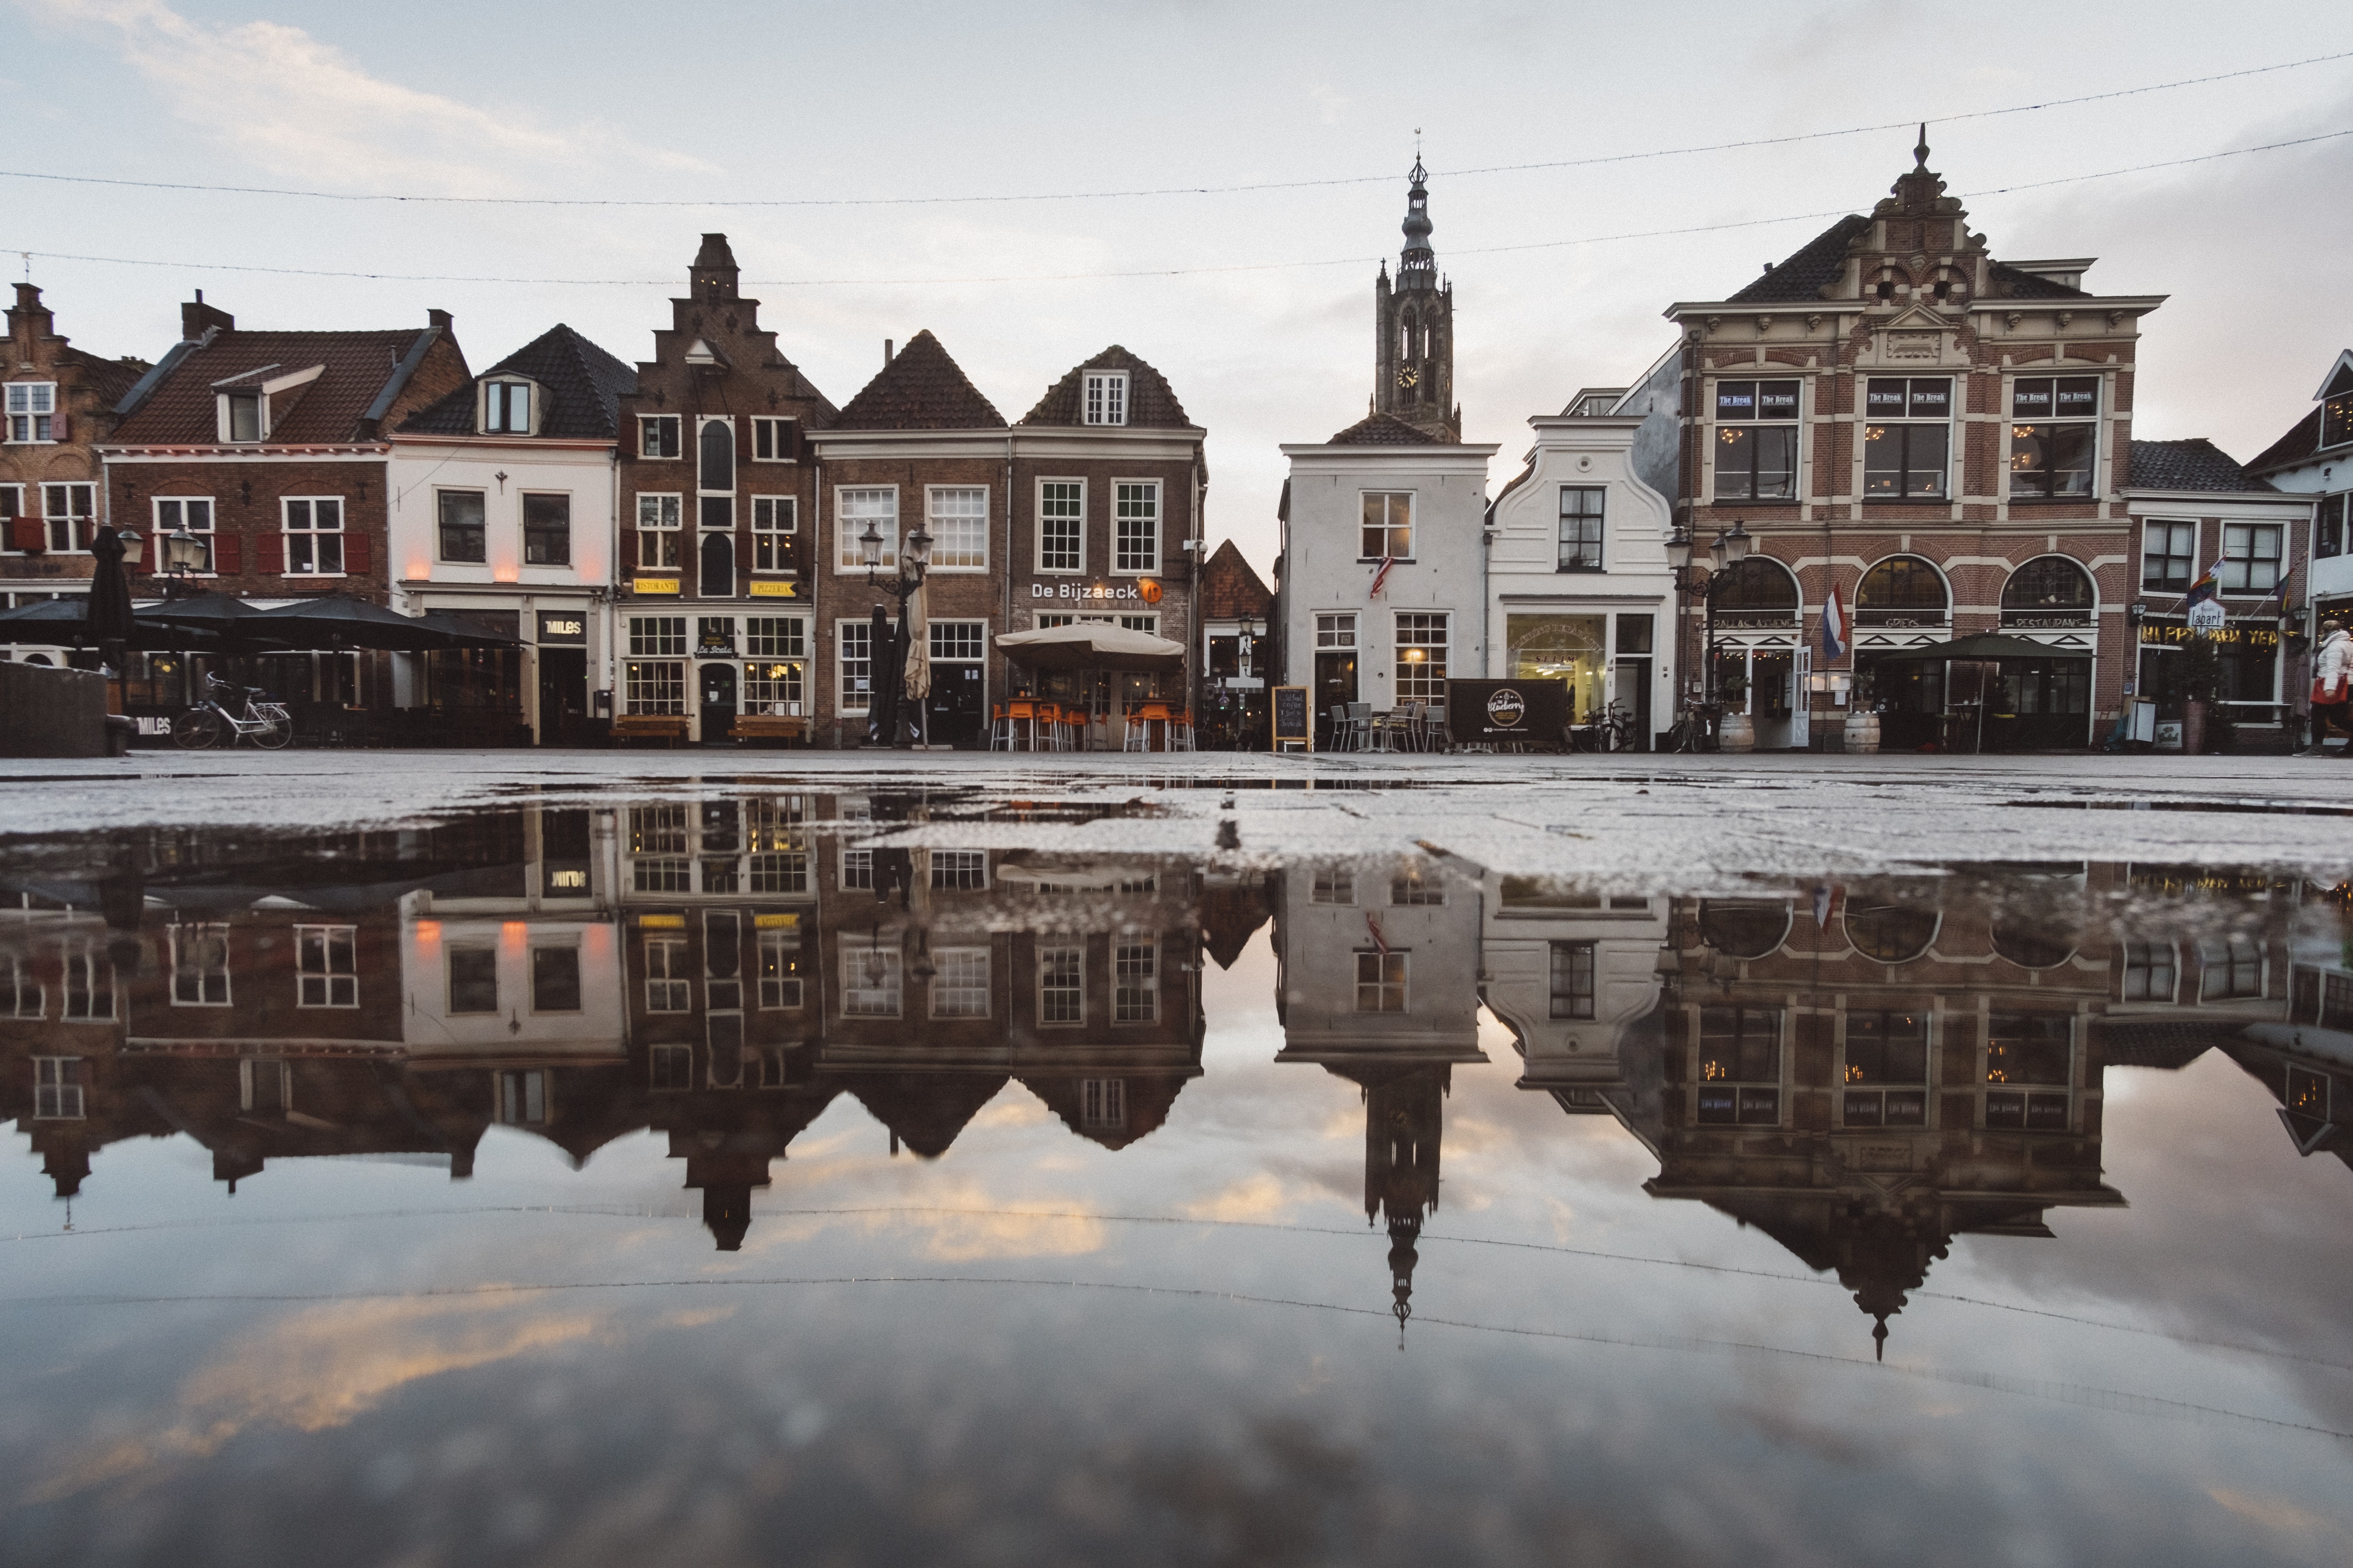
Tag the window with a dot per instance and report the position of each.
(2053, 436)
(506, 407)
(57, 1084)
(2168, 555)
(658, 435)
(958, 521)
(1739, 1066)
(780, 871)
(1902, 591)
(964, 642)
(1756, 440)
(12, 507)
(463, 535)
(667, 988)
(1135, 983)
(852, 513)
(1380, 980)
(780, 965)
(546, 531)
(1907, 442)
(26, 997)
(1886, 1046)
(71, 511)
(555, 980)
(1336, 631)
(2150, 971)
(961, 869)
(715, 459)
(657, 532)
(193, 513)
(774, 521)
(1422, 657)
(1410, 888)
(870, 984)
(854, 650)
(2028, 1049)
(772, 440)
(2329, 533)
(1580, 528)
(32, 410)
(2233, 966)
(960, 988)
(773, 687)
(326, 966)
(89, 985)
(1572, 980)
(315, 537)
(1386, 533)
(1102, 1103)
(672, 1066)
(1061, 985)
(200, 966)
(473, 980)
(2048, 587)
(523, 1098)
(1061, 525)
(242, 416)
(2308, 1093)
(1336, 885)
(1106, 400)
(2337, 421)
(2251, 557)
(657, 635)
(1138, 519)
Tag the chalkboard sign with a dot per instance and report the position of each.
(1506, 712)
(1292, 726)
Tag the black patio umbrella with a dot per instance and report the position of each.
(208, 612)
(65, 622)
(462, 635)
(341, 621)
(1984, 646)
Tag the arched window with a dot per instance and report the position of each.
(1904, 591)
(2034, 941)
(1743, 928)
(1759, 585)
(717, 444)
(1894, 926)
(2048, 585)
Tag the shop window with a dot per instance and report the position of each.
(327, 966)
(1061, 525)
(2251, 557)
(546, 531)
(1422, 657)
(473, 980)
(2168, 555)
(1886, 1073)
(2053, 436)
(1561, 647)
(1386, 532)
(1381, 980)
(464, 536)
(1061, 985)
(1580, 528)
(1756, 440)
(1901, 590)
(1738, 1068)
(1572, 979)
(657, 532)
(1135, 983)
(1907, 439)
(773, 687)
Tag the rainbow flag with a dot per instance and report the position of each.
(2205, 587)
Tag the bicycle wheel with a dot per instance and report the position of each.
(196, 730)
(276, 734)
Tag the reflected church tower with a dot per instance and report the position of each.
(1404, 1126)
(1413, 350)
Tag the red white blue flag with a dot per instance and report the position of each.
(1833, 626)
(1381, 576)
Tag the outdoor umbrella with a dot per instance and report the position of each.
(883, 683)
(919, 643)
(1091, 645)
(64, 623)
(207, 612)
(461, 634)
(1984, 646)
(338, 620)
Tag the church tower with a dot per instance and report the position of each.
(1413, 350)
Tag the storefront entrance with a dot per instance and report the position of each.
(2039, 704)
(563, 695)
(1574, 648)
(1775, 678)
(1335, 682)
(1912, 694)
(956, 712)
(717, 702)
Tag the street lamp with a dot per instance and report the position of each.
(1725, 551)
(182, 557)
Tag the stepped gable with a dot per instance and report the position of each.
(584, 387)
(920, 389)
(1385, 430)
(362, 371)
(1151, 401)
(2196, 464)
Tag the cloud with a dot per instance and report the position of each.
(291, 104)
(1254, 1198)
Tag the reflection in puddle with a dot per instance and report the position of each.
(1863, 1072)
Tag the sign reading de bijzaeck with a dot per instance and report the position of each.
(1143, 591)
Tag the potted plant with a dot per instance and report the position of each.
(2201, 678)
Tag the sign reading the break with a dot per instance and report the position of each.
(1144, 590)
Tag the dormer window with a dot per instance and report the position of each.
(506, 408)
(241, 415)
(1106, 399)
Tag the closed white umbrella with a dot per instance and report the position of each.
(919, 643)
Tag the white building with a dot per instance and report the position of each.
(504, 497)
(2314, 458)
(1577, 584)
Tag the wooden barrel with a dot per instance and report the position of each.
(1863, 734)
(1736, 733)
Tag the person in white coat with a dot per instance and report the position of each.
(2332, 684)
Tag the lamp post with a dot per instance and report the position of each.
(916, 553)
(1725, 551)
(183, 556)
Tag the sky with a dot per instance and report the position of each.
(959, 168)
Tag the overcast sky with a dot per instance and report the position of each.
(1256, 304)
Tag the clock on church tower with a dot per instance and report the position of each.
(1413, 375)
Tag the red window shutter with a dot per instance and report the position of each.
(228, 554)
(28, 533)
(269, 554)
(355, 554)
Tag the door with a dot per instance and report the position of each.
(1335, 682)
(1769, 674)
(718, 701)
(563, 695)
(1630, 689)
(1801, 700)
(956, 712)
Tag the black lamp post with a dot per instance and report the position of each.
(1725, 551)
(916, 553)
(183, 556)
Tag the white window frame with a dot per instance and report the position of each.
(1954, 397)
(80, 963)
(1398, 645)
(848, 556)
(935, 518)
(53, 521)
(201, 930)
(968, 963)
(843, 631)
(648, 423)
(1159, 527)
(333, 988)
(767, 530)
(55, 1098)
(1412, 508)
(1135, 997)
(773, 433)
(669, 979)
(1079, 566)
(1336, 631)
(1103, 397)
(498, 394)
(27, 998)
(38, 422)
(665, 521)
(288, 534)
(859, 1000)
(1048, 958)
(162, 528)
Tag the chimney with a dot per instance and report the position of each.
(438, 319)
(886, 354)
(198, 318)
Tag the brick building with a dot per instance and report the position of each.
(1942, 435)
(715, 599)
(58, 402)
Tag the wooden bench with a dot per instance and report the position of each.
(668, 728)
(769, 727)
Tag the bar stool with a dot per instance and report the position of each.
(1000, 728)
(1021, 724)
(1048, 731)
(1180, 731)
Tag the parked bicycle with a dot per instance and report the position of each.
(211, 723)
(1611, 730)
(1695, 731)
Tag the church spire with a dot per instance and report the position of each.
(1413, 325)
(1416, 263)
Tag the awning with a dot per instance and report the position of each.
(1091, 645)
(1984, 647)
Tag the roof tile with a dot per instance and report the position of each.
(920, 389)
(584, 387)
(180, 410)
(1384, 430)
(1231, 587)
(1151, 401)
(2196, 464)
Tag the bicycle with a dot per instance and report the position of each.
(1695, 731)
(208, 723)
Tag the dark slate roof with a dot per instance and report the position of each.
(2196, 464)
(1151, 401)
(1817, 262)
(1384, 430)
(2009, 283)
(360, 367)
(920, 389)
(584, 387)
(113, 377)
(2302, 441)
(1230, 587)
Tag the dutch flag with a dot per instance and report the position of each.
(1833, 626)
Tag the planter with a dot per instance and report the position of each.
(1863, 734)
(2193, 727)
(1736, 733)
